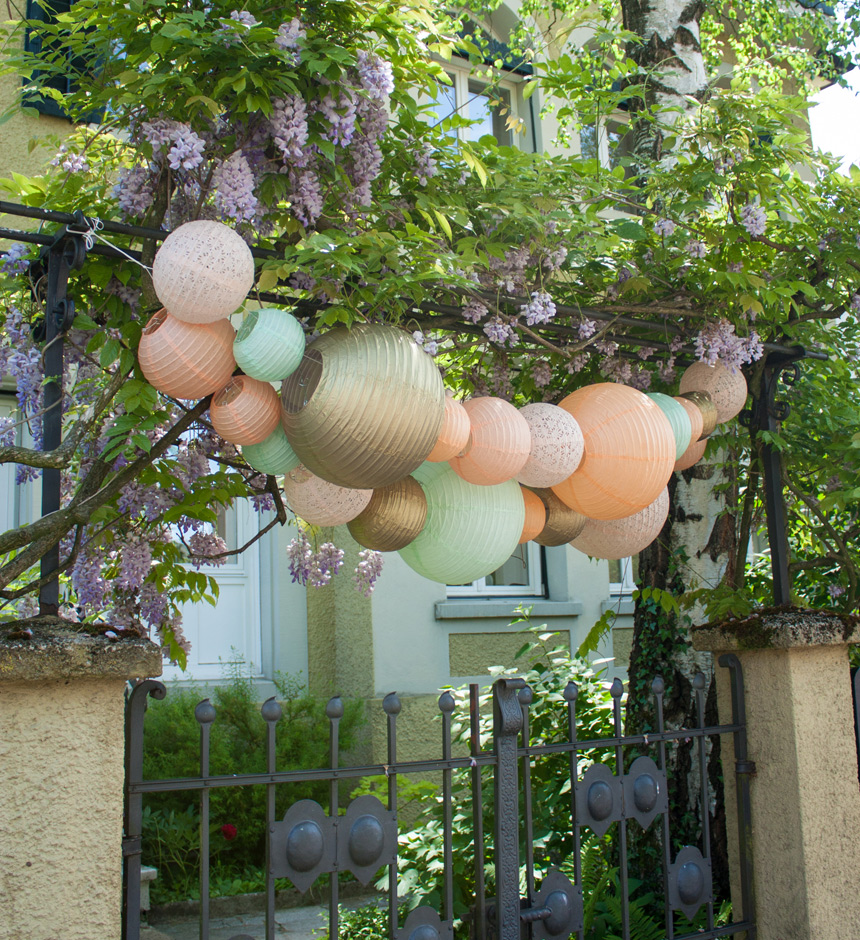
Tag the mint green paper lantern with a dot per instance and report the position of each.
(269, 345)
(470, 530)
(682, 427)
(272, 456)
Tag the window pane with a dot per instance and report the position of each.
(514, 572)
(484, 108)
(589, 149)
(445, 102)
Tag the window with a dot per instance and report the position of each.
(521, 575)
(623, 573)
(487, 107)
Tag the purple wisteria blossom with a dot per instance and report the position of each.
(240, 21)
(375, 74)
(474, 311)
(367, 571)
(324, 564)
(835, 590)
(577, 363)
(555, 259)
(299, 553)
(15, 260)
(666, 370)
(87, 577)
(204, 546)
(718, 342)
(134, 192)
(70, 162)
(542, 373)
(430, 346)
(153, 605)
(290, 38)
(425, 165)
(186, 153)
(306, 196)
(695, 248)
(135, 565)
(500, 332)
(754, 219)
(128, 295)
(500, 379)
(664, 227)
(233, 182)
(289, 126)
(339, 109)
(540, 309)
(587, 328)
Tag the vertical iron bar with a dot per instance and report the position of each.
(507, 721)
(272, 713)
(616, 692)
(774, 501)
(391, 706)
(744, 767)
(133, 815)
(571, 691)
(334, 712)
(205, 715)
(525, 698)
(477, 812)
(699, 687)
(658, 687)
(446, 706)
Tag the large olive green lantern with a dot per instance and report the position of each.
(470, 530)
(365, 407)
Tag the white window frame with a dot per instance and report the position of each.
(534, 588)
(626, 585)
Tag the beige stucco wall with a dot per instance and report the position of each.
(61, 784)
(471, 653)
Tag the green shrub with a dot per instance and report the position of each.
(238, 746)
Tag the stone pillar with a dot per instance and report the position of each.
(61, 780)
(805, 795)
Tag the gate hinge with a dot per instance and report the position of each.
(131, 846)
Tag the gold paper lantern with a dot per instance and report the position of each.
(727, 389)
(556, 446)
(322, 503)
(454, 436)
(186, 360)
(203, 271)
(620, 538)
(692, 455)
(694, 413)
(393, 518)
(500, 442)
(245, 411)
(365, 407)
(707, 409)
(535, 515)
(629, 452)
(562, 525)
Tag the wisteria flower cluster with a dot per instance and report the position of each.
(367, 571)
(718, 341)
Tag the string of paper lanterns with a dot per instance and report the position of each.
(365, 434)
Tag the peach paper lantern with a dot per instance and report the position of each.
(245, 411)
(393, 518)
(500, 444)
(562, 523)
(365, 406)
(322, 503)
(454, 436)
(620, 538)
(556, 448)
(629, 452)
(694, 413)
(692, 455)
(727, 389)
(535, 515)
(203, 271)
(676, 413)
(707, 409)
(186, 360)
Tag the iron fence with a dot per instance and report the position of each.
(361, 837)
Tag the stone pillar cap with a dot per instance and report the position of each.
(781, 628)
(53, 648)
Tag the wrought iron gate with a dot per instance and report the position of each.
(309, 841)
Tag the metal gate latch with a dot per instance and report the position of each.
(557, 911)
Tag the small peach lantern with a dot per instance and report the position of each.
(245, 411)
(500, 442)
(454, 436)
(393, 518)
(682, 427)
(620, 538)
(322, 503)
(556, 448)
(692, 455)
(186, 360)
(203, 271)
(535, 515)
(629, 452)
(727, 389)
(694, 413)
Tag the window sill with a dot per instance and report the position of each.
(621, 604)
(474, 608)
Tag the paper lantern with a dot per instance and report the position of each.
(470, 530)
(393, 518)
(562, 523)
(707, 409)
(322, 503)
(629, 452)
(269, 344)
(692, 455)
(535, 515)
(365, 407)
(203, 271)
(454, 436)
(556, 447)
(727, 389)
(273, 455)
(500, 442)
(245, 411)
(620, 538)
(694, 413)
(676, 414)
(186, 360)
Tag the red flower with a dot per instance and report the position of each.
(229, 831)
